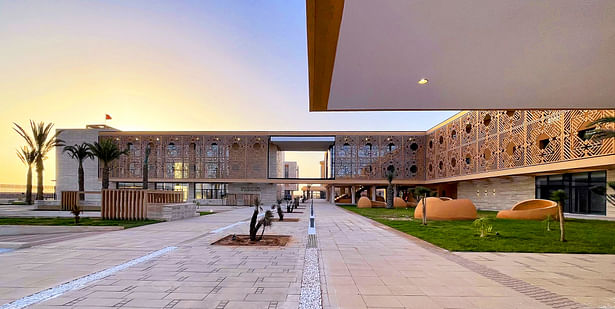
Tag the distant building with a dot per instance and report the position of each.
(494, 158)
(291, 171)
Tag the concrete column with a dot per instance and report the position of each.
(373, 189)
(332, 198)
(353, 191)
(394, 190)
(191, 191)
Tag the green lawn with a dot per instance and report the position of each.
(584, 236)
(205, 213)
(71, 221)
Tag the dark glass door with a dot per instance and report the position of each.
(585, 191)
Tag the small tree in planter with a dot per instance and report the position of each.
(422, 193)
(256, 224)
(279, 209)
(76, 210)
(483, 225)
(390, 174)
(559, 196)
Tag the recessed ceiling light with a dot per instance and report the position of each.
(423, 81)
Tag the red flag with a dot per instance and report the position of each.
(107, 117)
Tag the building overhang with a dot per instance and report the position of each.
(371, 55)
(302, 143)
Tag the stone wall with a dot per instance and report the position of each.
(268, 192)
(497, 193)
(171, 212)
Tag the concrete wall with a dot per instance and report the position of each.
(497, 193)
(610, 208)
(276, 162)
(67, 178)
(171, 212)
(268, 192)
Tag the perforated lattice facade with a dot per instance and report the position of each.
(475, 142)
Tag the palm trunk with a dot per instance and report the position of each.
(81, 181)
(105, 176)
(390, 196)
(253, 228)
(39, 179)
(29, 186)
(560, 209)
(262, 233)
(145, 176)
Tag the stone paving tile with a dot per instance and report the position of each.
(386, 269)
(363, 265)
(199, 275)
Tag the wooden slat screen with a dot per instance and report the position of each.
(69, 199)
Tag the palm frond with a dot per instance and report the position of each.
(599, 134)
(106, 150)
(24, 135)
(27, 155)
(603, 120)
(558, 196)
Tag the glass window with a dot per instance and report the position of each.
(585, 191)
(172, 150)
(212, 150)
(129, 185)
(204, 191)
(170, 186)
(212, 170)
(366, 150)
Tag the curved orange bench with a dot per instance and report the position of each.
(534, 209)
(364, 202)
(446, 209)
(378, 204)
(398, 202)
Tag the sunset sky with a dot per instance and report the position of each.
(218, 65)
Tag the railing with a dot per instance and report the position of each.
(70, 199)
(165, 197)
(120, 204)
(123, 204)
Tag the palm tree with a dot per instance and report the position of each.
(148, 150)
(422, 193)
(106, 151)
(390, 174)
(559, 196)
(79, 153)
(28, 157)
(43, 141)
(601, 134)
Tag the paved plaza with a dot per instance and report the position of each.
(362, 265)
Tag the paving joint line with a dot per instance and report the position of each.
(534, 292)
(80, 282)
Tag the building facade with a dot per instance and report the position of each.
(494, 158)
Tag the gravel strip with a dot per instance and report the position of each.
(310, 285)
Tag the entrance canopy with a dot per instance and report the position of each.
(461, 55)
(303, 143)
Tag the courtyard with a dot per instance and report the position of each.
(361, 263)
